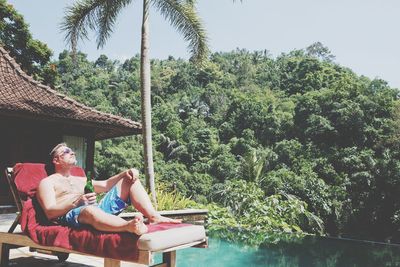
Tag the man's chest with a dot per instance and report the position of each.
(69, 185)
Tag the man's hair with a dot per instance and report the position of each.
(54, 150)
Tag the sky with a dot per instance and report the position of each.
(363, 35)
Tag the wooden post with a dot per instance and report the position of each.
(170, 258)
(4, 255)
(90, 154)
(111, 263)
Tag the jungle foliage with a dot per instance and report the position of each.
(288, 144)
(293, 143)
(296, 142)
(32, 55)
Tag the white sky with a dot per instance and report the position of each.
(364, 35)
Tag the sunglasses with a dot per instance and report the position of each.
(67, 150)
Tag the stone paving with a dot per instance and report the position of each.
(22, 257)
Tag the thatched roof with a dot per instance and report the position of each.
(22, 96)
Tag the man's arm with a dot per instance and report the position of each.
(106, 185)
(47, 199)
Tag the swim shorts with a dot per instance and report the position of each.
(111, 203)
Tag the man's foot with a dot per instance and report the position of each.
(162, 219)
(137, 226)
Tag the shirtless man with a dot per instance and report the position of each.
(62, 198)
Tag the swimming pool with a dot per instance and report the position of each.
(307, 251)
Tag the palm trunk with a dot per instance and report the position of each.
(145, 81)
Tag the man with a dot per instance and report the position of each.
(62, 198)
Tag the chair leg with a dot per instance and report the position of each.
(111, 263)
(14, 225)
(4, 255)
(170, 258)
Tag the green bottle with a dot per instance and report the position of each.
(89, 185)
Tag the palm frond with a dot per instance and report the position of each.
(183, 16)
(78, 18)
(95, 15)
(107, 17)
(175, 151)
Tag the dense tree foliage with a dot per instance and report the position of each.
(298, 133)
(33, 55)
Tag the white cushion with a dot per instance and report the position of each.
(165, 239)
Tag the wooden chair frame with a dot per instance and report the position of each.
(13, 239)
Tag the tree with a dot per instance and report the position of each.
(100, 15)
(15, 37)
(334, 146)
(320, 51)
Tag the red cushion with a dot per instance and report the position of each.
(86, 239)
(78, 171)
(33, 222)
(27, 177)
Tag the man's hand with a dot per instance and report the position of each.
(132, 174)
(86, 199)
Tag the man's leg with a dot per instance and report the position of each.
(103, 221)
(141, 200)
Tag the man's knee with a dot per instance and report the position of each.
(135, 184)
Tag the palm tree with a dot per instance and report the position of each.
(100, 16)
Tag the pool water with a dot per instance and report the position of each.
(308, 251)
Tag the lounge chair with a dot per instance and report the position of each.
(61, 240)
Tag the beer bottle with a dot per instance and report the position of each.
(89, 185)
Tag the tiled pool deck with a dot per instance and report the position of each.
(22, 257)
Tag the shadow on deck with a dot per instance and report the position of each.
(35, 261)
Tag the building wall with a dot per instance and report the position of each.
(78, 145)
(23, 140)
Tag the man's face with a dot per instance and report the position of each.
(64, 156)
